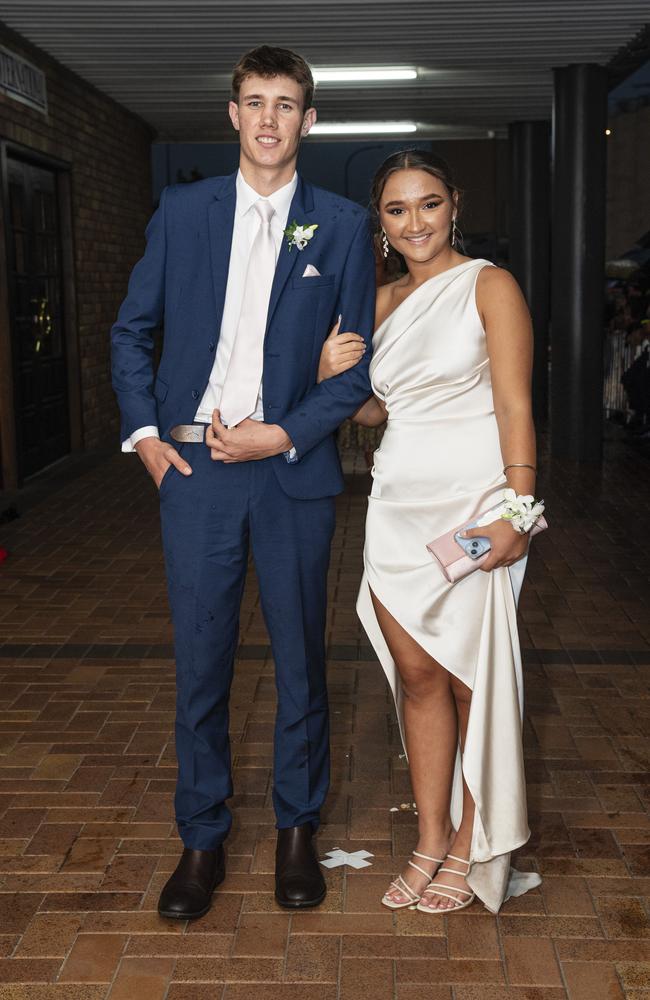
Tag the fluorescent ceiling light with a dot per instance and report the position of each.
(358, 74)
(361, 128)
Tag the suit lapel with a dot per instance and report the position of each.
(302, 205)
(221, 219)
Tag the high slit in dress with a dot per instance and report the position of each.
(438, 465)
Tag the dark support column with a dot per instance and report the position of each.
(578, 252)
(529, 210)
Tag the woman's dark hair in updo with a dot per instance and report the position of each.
(411, 159)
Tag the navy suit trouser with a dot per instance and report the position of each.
(209, 520)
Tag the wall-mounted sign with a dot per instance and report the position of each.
(22, 81)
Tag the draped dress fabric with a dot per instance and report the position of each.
(439, 464)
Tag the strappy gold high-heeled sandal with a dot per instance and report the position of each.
(401, 886)
(436, 889)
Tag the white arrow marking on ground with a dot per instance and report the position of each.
(355, 859)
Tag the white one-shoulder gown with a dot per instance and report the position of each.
(439, 464)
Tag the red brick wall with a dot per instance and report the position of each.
(108, 149)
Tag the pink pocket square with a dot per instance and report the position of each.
(311, 272)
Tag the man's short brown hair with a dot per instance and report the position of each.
(267, 61)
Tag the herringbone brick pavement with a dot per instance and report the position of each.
(87, 773)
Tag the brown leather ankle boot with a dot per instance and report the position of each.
(188, 892)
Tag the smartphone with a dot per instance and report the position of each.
(477, 547)
(473, 547)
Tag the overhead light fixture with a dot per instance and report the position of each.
(362, 128)
(361, 74)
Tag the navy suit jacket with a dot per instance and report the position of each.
(181, 281)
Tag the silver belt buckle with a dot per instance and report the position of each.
(188, 433)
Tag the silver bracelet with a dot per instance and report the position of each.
(519, 465)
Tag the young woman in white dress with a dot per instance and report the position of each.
(451, 372)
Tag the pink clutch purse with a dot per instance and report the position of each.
(454, 562)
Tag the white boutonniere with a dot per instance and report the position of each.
(299, 236)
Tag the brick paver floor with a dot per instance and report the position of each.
(87, 773)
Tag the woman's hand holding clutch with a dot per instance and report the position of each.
(507, 546)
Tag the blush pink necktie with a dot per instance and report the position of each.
(242, 383)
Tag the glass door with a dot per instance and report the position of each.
(37, 330)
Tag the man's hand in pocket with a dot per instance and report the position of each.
(157, 456)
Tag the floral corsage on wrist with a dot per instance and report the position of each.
(521, 511)
(299, 236)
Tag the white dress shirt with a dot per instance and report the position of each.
(246, 225)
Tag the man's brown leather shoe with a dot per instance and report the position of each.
(188, 892)
(299, 880)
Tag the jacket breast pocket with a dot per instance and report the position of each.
(318, 281)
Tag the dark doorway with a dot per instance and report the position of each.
(36, 314)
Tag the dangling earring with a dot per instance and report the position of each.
(384, 243)
(453, 231)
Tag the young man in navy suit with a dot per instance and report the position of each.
(249, 272)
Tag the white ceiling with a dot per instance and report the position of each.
(483, 63)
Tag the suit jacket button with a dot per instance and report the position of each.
(211, 347)
(195, 393)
